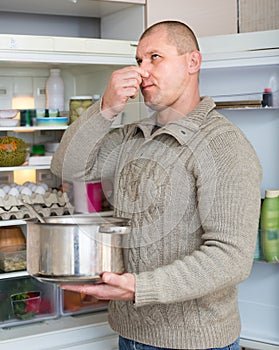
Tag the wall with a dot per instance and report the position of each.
(204, 17)
(258, 15)
(217, 17)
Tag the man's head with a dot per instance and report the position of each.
(178, 34)
(169, 54)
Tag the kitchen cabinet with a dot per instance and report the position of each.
(215, 18)
(106, 19)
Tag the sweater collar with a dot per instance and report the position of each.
(183, 129)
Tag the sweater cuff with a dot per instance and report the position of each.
(146, 289)
(107, 113)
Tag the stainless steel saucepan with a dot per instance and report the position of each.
(76, 248)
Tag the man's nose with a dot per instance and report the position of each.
(146, 65)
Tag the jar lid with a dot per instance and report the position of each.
(81, 98)
(271, 193)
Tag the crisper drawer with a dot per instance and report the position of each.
(72, 303)
(25, 300)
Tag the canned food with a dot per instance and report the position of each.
(78, 104)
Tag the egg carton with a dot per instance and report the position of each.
(49, 204)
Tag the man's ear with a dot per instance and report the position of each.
(195, 60)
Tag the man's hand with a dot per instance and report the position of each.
(115, 287)
(124, 84)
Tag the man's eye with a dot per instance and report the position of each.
(155, 56)
(139, 61)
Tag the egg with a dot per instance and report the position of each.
(6, 188)
(2, 193)
(30, 185)
(40, 190)
(33, 188)
(25, 190)
(13, 192)
(44, 185)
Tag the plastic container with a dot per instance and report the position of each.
(14, 259)
(55, 121)
(267, 100)
(55, 91)
(79, 303)
(78, 104)
(87, 197)
(269, 225)
(47, 308)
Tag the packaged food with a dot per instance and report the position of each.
(78, 104)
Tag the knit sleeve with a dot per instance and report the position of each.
(228, 177)
(79, 155)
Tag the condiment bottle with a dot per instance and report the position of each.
(55, 91)
(267, 98)
(269, 224)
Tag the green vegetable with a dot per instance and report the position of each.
(26, 305)
(13, 151)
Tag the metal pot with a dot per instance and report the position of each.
(76, 248)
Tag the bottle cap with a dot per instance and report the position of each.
(271, 193)
(96, 97)
(267, 90)
(55, 71)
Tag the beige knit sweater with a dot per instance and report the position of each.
(192, 190)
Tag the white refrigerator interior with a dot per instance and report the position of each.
(244, 76)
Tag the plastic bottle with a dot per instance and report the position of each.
(55, 91)
(269, 225)
(267, 98)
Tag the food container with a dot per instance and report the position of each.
(14, 259)
(87, 197)
(11, 238)
(40, 112)
(78, 104)
(76, 248)
(73, 303)
(13, 151)
(52, 121)
(8, 113)
(9, 122)
(37, 309)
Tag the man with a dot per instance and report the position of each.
(190, 183)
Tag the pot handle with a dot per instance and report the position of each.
(108, 228)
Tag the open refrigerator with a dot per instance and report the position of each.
(231, 69)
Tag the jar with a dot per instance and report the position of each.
(78, 104)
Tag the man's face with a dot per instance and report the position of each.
(168, 75)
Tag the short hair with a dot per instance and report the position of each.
(179, 34)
